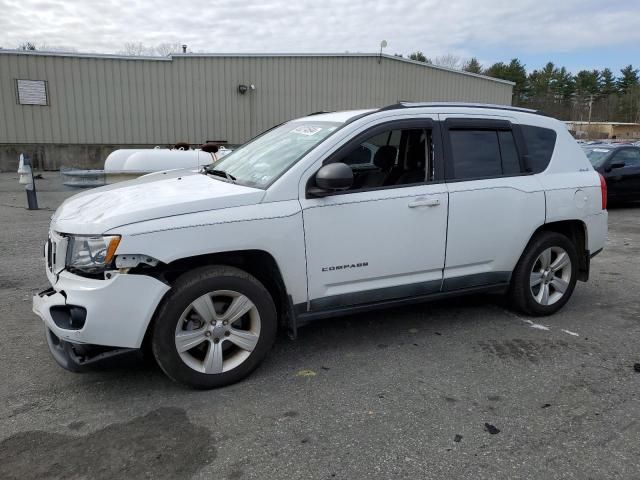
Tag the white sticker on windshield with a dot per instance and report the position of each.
(600, 150)
(306, 130)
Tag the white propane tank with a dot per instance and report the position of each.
(116, 159)
(158, 160)
(222, 151)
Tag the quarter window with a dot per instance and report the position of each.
(483, 153)
(540, 144)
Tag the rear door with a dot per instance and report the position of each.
(494, 203)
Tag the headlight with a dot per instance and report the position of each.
(91, 254)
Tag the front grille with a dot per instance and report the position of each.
(56, 252)
(50, 254)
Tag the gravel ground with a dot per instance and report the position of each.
(459, 389)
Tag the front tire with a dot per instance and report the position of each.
(545, 276)
(214, 328)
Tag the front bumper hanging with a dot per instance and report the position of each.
(80, 357)
(113, 312)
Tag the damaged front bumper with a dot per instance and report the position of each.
(85, 315)
(77, 357)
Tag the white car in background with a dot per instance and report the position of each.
(322, 216)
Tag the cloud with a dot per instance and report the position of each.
(434, 27)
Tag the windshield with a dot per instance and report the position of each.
(264, 159)
(597, 156)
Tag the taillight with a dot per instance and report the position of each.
(603, 189)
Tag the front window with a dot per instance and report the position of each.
(391, 158)
(597, 156)
(262, 160)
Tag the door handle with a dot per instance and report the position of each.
(424, 202)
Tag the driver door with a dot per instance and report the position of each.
(384, 238)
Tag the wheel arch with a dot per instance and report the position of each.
(576, 231)
(258, 263)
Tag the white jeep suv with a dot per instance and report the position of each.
(321, 216)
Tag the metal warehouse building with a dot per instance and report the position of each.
(73, 109)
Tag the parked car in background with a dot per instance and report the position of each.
(619, 164)
(322, 216)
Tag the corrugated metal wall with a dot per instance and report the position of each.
(111, 100)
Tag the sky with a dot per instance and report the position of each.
(579, 34)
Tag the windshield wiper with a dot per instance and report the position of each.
(220, 173)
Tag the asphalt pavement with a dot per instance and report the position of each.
(464, 388)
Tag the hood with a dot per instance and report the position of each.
(158, 195)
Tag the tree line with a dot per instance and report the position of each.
(596, 95)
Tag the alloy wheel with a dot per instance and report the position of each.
(217, 331)
(550, 275)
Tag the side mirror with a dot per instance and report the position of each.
(332, 177)
(618, 164)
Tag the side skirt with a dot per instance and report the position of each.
(303, 317)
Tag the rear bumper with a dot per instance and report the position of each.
(597, 229)
(117, 310)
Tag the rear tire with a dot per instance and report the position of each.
(214, 328)
(545, 275)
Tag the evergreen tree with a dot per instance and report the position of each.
(588, 88)
(628, 79)
(588, 82)
(419, 57)
(28, 46)
(514, 72)
(629, 95)
(608, 82)
(540, 84)
(563, 85)
(473, 66)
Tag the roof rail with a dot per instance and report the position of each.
(402, 105)
(317, 113)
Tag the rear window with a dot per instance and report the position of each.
(540, 144)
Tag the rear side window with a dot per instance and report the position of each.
(540, 144)
(483, 153)
(476, 153)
